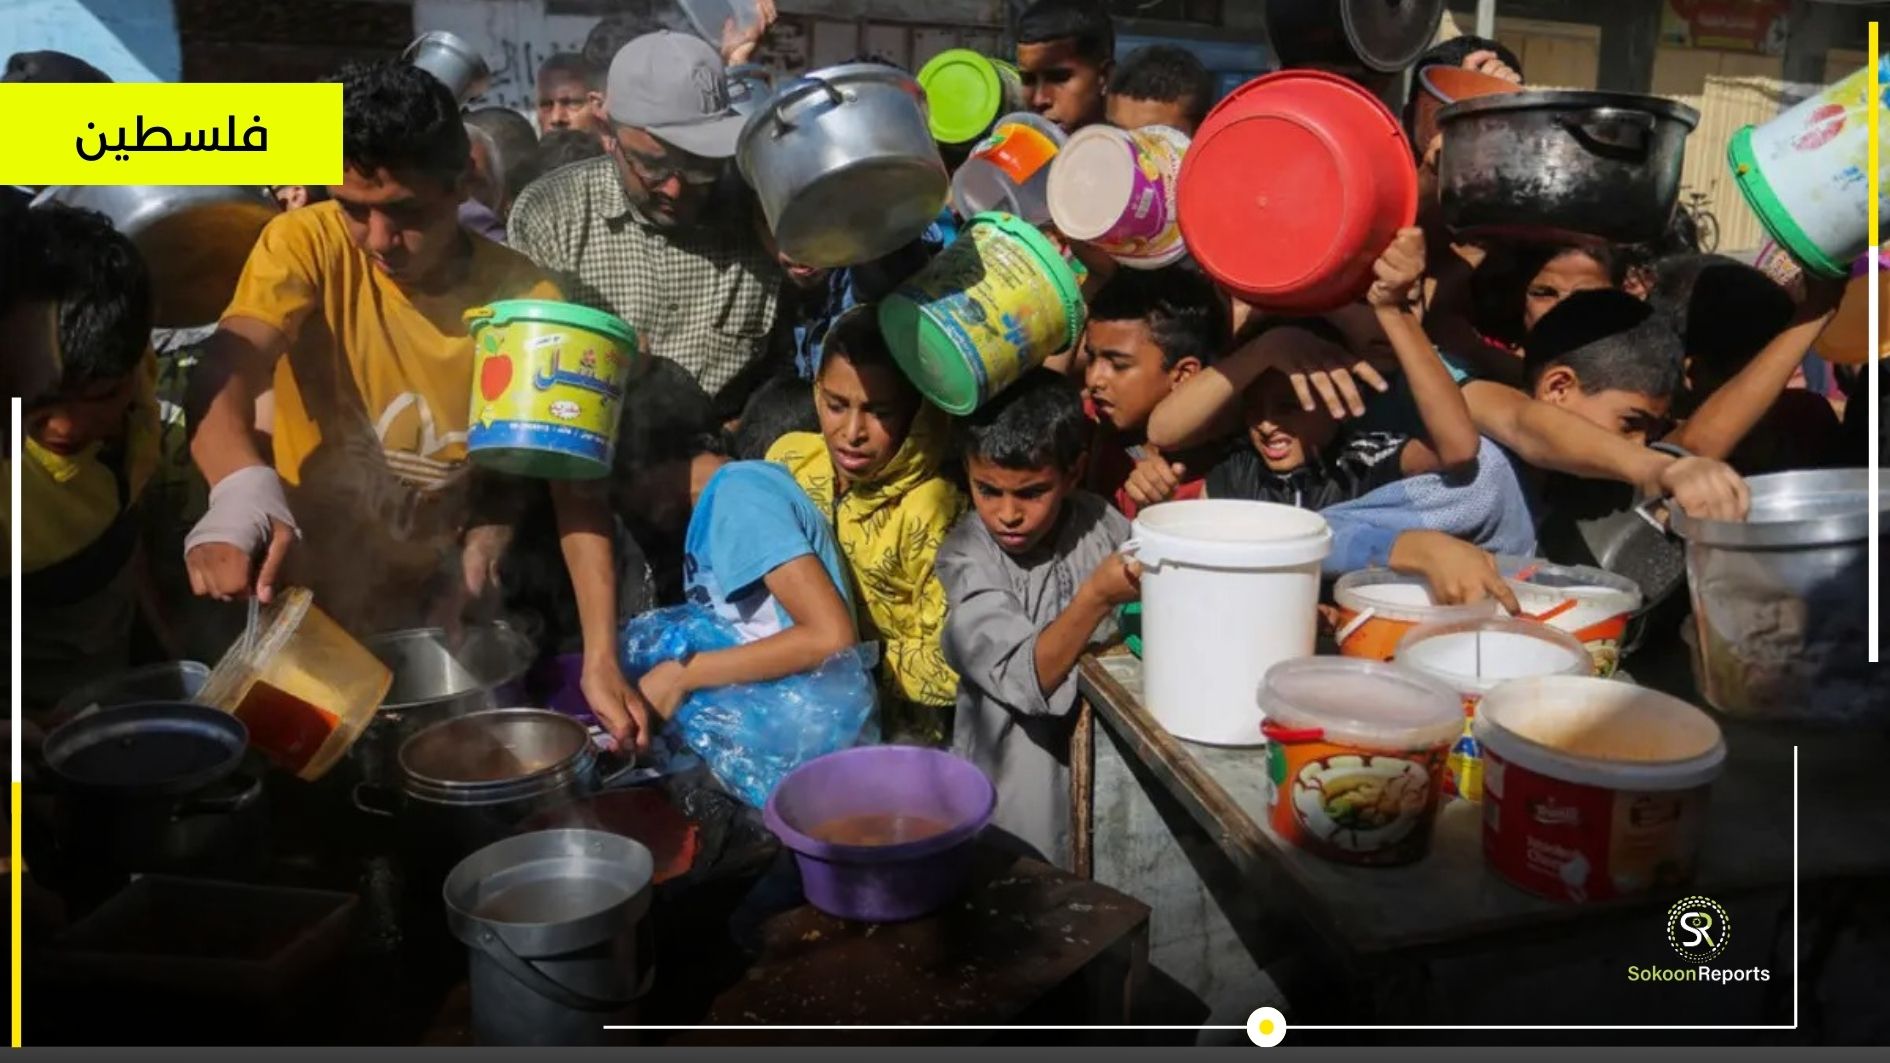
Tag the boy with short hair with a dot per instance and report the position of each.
(91, 448)
(1033, 576)
(1149, 331)
(1066, 53)
(1160, 84)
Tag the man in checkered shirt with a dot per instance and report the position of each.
(656, 230)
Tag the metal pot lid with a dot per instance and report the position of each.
(1569, 100)
(157, 747)
(428, 670)
(492, 748)
(1803, 508)
(1384, 35)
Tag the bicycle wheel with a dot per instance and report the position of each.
(1707, 225)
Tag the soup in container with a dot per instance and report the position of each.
(1594, 789)
(1474, 657)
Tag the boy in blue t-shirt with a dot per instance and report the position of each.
(756, 551)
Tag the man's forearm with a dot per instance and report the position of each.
(584, 535)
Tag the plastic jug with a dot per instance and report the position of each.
(304, 687)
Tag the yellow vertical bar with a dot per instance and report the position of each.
(1873, 106)
(16, 865)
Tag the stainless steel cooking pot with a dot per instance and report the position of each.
(844, 164)
(194, 238)
(437, 679)
(1563, 166)
(468, 781)
(449, 58)
(1780, 601)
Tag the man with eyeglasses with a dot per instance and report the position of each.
(657, 230)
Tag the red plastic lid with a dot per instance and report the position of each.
(1293, 186)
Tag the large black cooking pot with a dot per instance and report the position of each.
(154, 787)
(1563, 166)
(1380, 35)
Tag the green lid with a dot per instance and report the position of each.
(928, 353)
(963, 94)
(552, 312)
(1772, 213)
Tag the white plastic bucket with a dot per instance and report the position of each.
(1804, 173)
(1229, 589)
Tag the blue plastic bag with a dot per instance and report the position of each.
(752, 734)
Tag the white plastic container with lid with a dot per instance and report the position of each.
(1229, 588)
(1378, 607)
(1592, 604)
(1355, 757)
(1595, 789)
(1009, 170)
(1474, 657)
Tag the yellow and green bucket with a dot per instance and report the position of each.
(548, 384)
(965, 92)
(992, 306)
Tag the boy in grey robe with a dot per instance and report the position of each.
(1033, 577)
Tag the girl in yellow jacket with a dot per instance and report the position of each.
(875, 469)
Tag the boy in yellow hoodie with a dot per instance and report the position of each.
(874, 469)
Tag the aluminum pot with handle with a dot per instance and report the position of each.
(452, 60)
(1563, 166)
(196, 239)
(435, 679)
(844, 164)
(471, 780)
(1780, 601)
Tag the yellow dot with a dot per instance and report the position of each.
(1266, 1026)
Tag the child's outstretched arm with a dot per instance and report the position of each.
(1206, 406)
(1116, 581)
(1723, 420)
(823, 626)
(1452, 436)
(1553, 439)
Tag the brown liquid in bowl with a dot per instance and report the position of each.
(877, 828)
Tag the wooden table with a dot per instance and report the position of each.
(1185, 826)
(1022, 932)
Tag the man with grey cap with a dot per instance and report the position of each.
(658, 230)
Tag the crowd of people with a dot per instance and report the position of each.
(776, 466)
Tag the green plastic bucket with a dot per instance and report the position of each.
(548, 383)
(992, 306)
(965, 92)
(1804, 172)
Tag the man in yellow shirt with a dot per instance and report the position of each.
(354, 308)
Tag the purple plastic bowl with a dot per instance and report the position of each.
(882, 883)
(556, 684)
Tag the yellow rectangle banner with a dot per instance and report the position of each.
(170, 134)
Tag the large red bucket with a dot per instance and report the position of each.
(1293, 187)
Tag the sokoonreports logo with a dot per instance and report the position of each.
(1699, 930)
